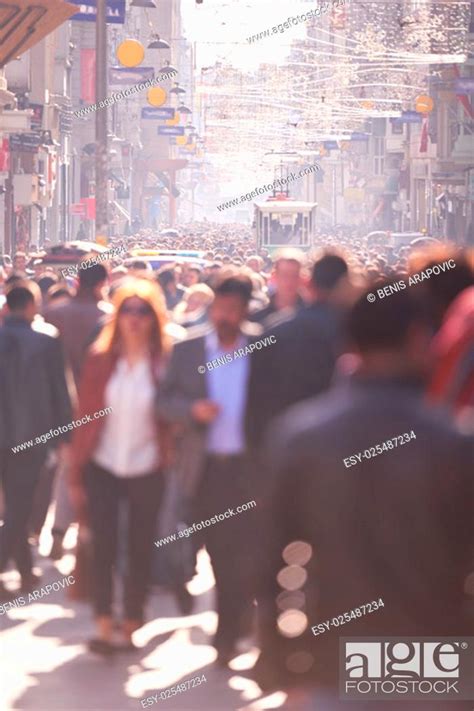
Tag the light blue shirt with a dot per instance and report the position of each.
(227, 386)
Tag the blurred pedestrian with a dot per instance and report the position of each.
(193, 309)
(452, 383)
(286, 283)
(120, 457)
(301, 362)
(77, 321)
(34, 398)
(173, 292)
(215, 474)
(397, 530)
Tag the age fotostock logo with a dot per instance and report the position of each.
(414, 668)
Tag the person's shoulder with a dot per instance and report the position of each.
(253, 330)
(57, 311)
(105, 307)
(282, 323)
(176, 332)
(195, 338)
(437, 423)
(96, 360)
(260, 314)
(308, 420)
(44, 329)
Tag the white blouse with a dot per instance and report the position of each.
(128, 444)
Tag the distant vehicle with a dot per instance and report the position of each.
(284, 222)
(424, 242)
(398, 239)
(69, 254)
(158, 258)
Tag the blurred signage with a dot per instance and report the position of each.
(331, 145)
(88, 75)
(338, 18)
(37, 118)
(465, 85)
(356, 136)
(151, 112)
(65, 121)
(27, 142)
(124, 76)
(471, 185)
(78, 208)
(89, 207)
(407, 117)
(4, 155)
(171, 130)
(356, 195)
(88, 10)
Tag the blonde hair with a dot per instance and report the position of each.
(149, 292)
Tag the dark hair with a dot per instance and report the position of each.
(138, 264)
(92, 276)
(165, 276)
(384, 323)
(328, 270)
(19, 297)
(46, 282)
(58, 291)
(235, 285)
(14, 278)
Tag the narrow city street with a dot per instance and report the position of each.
(45, 665)
(236, 355)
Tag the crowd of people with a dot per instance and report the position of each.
(343, 373)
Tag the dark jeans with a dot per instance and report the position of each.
(142, 497)
(19, 475)
(230, 543)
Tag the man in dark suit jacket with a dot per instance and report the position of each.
(34, 398)
(384, 522)
(287, 276)
(205, 390)
(301, 363)
(78, 322)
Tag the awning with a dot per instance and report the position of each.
(23, 23)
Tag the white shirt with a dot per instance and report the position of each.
(128, 444)
(227, 386)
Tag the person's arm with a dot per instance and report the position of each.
(259, 401)
(172, 403)
(60, 393)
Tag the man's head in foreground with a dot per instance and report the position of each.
(230, 306)
(391, 335)
(287, 276)
(23, 300)
(329, 279)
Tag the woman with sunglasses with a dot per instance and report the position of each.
(119, 458)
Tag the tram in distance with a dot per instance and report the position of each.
(281, 221)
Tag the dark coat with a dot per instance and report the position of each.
(34, 395)
(298, 366)
(398, 526)
(77, 322)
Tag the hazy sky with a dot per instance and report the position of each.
(221, 28)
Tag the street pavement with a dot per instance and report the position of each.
(44, 664)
